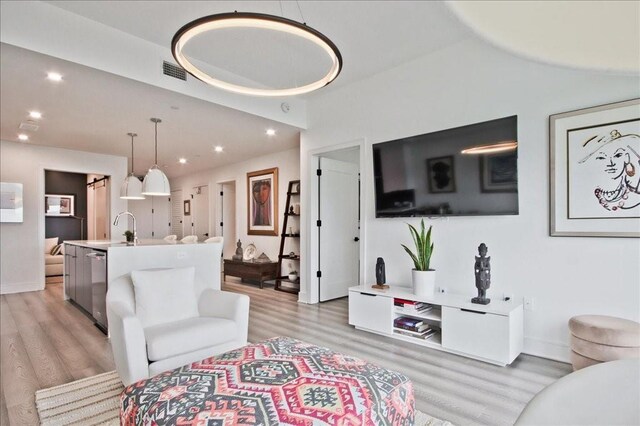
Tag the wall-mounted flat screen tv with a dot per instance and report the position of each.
(466, 171)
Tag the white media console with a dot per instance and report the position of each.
(492, 333)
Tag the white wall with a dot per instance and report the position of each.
(288, 164)
(467, 83)
(22, 244)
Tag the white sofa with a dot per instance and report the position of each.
(53, 264)
(220, 324)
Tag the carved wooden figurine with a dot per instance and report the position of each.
(483, 275)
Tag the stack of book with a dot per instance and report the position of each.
(411, 306)
(413, 327)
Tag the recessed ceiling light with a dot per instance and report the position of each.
(218, 148)
(182, 160)
(54, 76)
(35, 114)
(270, 132)
(23, 137)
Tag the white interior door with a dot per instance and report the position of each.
(338, 234)
(176, 213)
(228, 219)
(200, 212)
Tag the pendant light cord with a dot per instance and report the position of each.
(301, 15)
(133, 135)
(155, 121)
(156, 125)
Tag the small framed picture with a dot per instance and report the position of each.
(187, 207)
(499, 172)
(262, 199)
(11, 209)
(594, 164)
(441, 174)
(59, 205)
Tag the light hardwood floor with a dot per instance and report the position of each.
(46, 341)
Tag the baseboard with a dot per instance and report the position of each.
(545, 349)
(9, 288)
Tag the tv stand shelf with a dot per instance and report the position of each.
(491, 333)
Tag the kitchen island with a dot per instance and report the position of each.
(90, 265)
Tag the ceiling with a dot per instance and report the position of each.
(93, 111)
(598, 35)
(372, 36)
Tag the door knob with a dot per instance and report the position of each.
(356, 239)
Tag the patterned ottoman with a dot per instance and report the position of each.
(281, 381)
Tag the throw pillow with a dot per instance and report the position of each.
(56, 250)
(49, 244)
(165, 296)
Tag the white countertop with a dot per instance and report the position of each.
(106, 244)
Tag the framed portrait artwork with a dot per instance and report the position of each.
(262, 202)
(595, 171)
(499, 172)
(59, 205)
(440, 175)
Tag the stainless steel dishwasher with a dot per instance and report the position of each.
(99, 288)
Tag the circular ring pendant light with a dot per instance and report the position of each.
(259, 21)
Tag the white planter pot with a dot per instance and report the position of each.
(424, 282)
(293, 277)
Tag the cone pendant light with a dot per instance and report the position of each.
(155, 182)
(131, 188)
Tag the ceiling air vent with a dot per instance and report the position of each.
(173, 71)
(29, 126)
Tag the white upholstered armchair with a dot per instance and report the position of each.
(158, 321)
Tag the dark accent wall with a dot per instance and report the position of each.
(63, 183)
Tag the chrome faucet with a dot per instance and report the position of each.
(135, 232)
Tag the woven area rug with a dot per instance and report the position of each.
(96, 401)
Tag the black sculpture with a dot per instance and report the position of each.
(239, 252)
(483, 275)
(381, 276)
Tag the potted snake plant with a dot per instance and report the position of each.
(422, 276)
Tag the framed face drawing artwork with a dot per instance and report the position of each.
(262, 202)
(595, 171)
(440, 175)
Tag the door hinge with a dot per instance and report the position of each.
(319, 274)
(153, 233)
(221, 224)
(192, 196)
(319, 223)
(153, 211)
(221, 193)
(319, 172)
